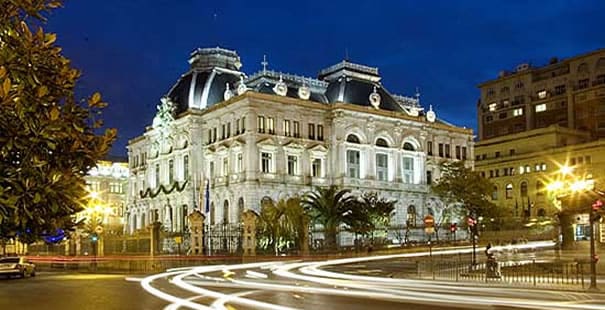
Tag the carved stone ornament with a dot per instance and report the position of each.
(430, 115)
(304, 92)
(164, 116)
(375, 98)
(280, 88)
(241, 88)
(228, 94)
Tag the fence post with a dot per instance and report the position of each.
(533, 263)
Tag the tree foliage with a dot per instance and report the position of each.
(368, 212)
(329, 207)
(466, 189)
(283, 224)
(48, 139)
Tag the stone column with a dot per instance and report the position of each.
(196, 226)
(249, 234)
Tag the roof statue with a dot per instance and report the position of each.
(164, 117)
(375, 98)
(304, 92)
(281, 88)
(228, 94)
(430, 115)
(241, 87)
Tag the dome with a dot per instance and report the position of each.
(205, 83)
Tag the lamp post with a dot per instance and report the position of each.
(568, 185)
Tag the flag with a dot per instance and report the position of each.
(207, 194)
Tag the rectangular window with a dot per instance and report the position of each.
(287, 131)
(542, 94)
(261, 124)
(440, 149)
(271, 125)
(497, 154)
(518, 112)
(186, 167)
(316, 172)
(492, 107)
(211, 169)
(312, 131)
(228, 129)
(447, 151)
(209, 136)
(240, 162)
(560, 89)
(170, 171)
(429, 177)
(429, 148)
(320, 132)
(226, 166)
(243, 126)
(266, 159)
(296, 128)
(353, 164)
(408, 170)
(541, 107)
(464, 153)
(214, 134)
(382, 167)
(292, 165)
(583, 84)
(223, 131)
(587, 160)
(458, 156)
(237, 127)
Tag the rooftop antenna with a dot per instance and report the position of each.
(264, 63)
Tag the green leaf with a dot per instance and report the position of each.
(54, 113)
(6, 86)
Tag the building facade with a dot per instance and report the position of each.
(107, 183)
(569, 93)
(224, 142)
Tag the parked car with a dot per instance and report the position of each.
(17, 266)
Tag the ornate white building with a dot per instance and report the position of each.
(273, 135)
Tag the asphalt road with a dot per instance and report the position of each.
(49, 291)
(350, 284)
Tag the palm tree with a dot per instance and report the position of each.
(284, 223)
(328, 206)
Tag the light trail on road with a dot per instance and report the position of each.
(258, 285)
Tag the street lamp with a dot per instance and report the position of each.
(568, 186)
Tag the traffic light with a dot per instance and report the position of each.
(453, 227)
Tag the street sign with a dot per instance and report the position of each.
(99, 229)
(429, 221)
(429, 230)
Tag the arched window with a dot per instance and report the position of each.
(353, 139)
(211, 213)
(495, 193)
(509, 191)
(240, 209)
(541, 212)
(226, 212)
(539, 188)
(381, 142)
(411, 217)
(408, 146)
(523, 189)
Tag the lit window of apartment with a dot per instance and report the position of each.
(527, 169)
(521, 170)
(518, 112)
(542, 94)
(492, 106)
(541, 107)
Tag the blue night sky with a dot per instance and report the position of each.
(133, 51)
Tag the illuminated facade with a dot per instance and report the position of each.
(273, 135)
(107, 184)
